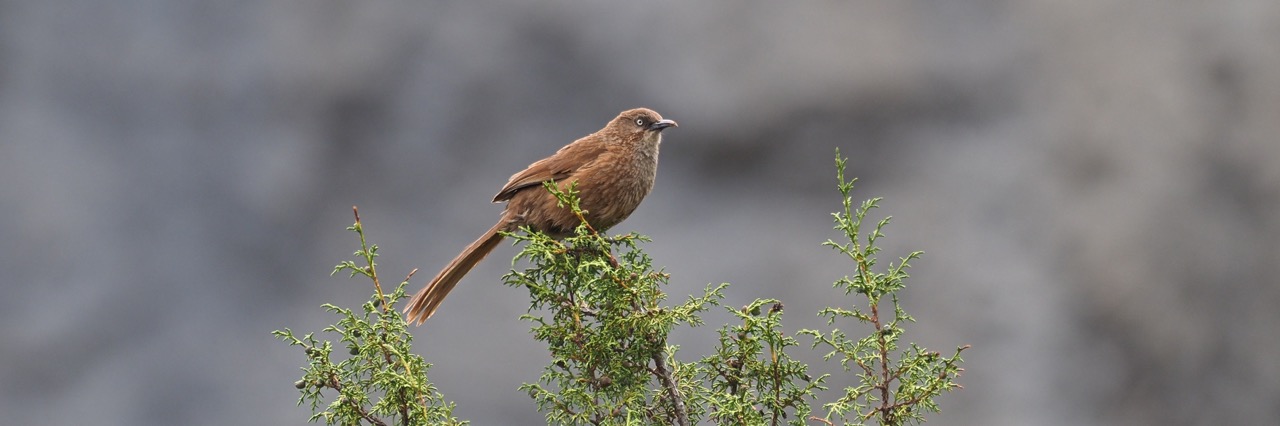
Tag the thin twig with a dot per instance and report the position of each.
(819, 419)
(885, 404)
(373, 273)
(777, 384)
(336, 385)
(664, 375)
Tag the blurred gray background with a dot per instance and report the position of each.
(1096, 185)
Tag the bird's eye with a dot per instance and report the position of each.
(640, 122)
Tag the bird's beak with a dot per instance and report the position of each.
(663, 124)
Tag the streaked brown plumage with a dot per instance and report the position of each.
(614, 169)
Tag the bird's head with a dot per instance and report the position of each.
(644, 123)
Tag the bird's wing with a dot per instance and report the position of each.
(557, 167)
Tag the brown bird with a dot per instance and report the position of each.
(614, 169)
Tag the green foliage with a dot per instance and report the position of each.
(596, 302)
(379, 381)
(604, 327)
(895, 386)
(751, 380)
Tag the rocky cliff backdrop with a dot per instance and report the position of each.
(1096, 185)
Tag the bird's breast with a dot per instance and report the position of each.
(616, 186)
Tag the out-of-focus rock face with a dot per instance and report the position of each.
(1096, 185)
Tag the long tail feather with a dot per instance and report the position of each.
(425, 303)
